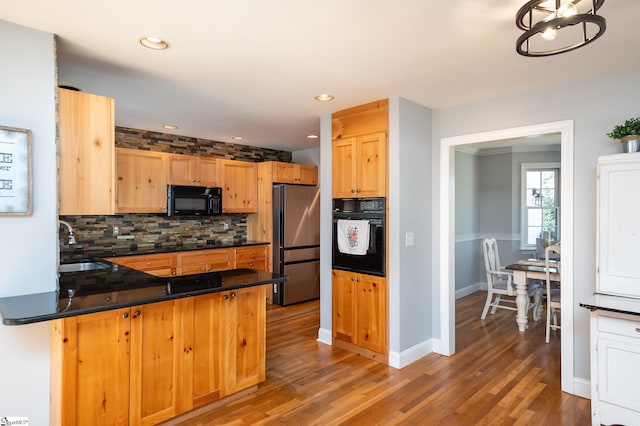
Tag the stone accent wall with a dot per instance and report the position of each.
(164, 142)
(151, 231)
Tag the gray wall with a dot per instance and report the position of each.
(595, 105)
(29, 252)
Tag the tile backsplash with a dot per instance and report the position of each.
(150, 230)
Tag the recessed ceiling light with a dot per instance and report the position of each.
(237, 138)
(312, 136)
(169, 126)
(154, 43)
(324, 97)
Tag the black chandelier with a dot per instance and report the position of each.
(556, 26)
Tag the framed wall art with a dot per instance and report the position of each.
(15, 171)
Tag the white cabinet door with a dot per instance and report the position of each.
(618, 235)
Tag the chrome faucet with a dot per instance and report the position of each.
(72, 237)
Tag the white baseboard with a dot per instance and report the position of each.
(324, 336)
(582, 387)
(406, 357)
(469, 290)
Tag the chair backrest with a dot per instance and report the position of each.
(491, 260)
(548, 254)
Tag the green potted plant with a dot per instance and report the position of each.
(628, 133)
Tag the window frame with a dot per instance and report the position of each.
(528, 167)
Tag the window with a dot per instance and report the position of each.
(540, 203)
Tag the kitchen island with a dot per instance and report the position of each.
(132, 348)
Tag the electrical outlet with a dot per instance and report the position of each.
(225, 226)
(116, 230)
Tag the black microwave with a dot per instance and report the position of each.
(183, 200)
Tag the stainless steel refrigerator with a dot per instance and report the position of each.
(296, 242)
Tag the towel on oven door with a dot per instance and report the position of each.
(353, 236)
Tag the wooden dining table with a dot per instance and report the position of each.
(523, 271)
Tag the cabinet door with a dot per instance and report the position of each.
(202, 350)
(343, 304)
(208, 172)
(86, 154)
(618, 271)
(204, 261)
(182, 169)
(239, 192)
(156, 362)
(284, 172)
(344, 168)
(244, 338)
(308, 174)
(142, 181)
(371, 313)
(90, 369)
(371, 165)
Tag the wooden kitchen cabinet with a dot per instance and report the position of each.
(300, 174)
(359, 167)
(141, 181)
(239, 186)
(160, 265)
(254, 257)
(86, 154)
(200, 261)
(118, 367)
(192, 170)
(243, 338)
(360, 312)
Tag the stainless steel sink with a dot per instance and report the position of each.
(82, 266)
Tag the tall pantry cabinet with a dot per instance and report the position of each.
(615, 333)
(359, 170)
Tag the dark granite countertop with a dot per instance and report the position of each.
(619, 304)
(118, 287)
(68, 256)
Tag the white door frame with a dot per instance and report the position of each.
(447, 238)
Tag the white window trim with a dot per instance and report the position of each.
(523, 197)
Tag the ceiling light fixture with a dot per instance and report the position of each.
(169, 126)
(324, 97)
(154, 43)
(237, 138)
(312, 136)
(557, 26)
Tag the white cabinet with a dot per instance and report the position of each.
(615, 357)
(618, 234)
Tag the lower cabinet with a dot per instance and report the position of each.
(360, 312)
(160, 265)
(615, 356)
(145, 364)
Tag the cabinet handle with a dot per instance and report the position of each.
(358, 190)
(137, 313)
(148, 263)
(353, 278)
(125, 315)
(358, 280)
(353, 191)
(226, 297)
(233, 294)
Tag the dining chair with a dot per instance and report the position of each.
(500, 282)
(552, 290)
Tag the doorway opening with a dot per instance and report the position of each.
(447, 237)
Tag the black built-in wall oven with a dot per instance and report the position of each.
(373, 210)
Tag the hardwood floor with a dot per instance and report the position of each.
(497, 376)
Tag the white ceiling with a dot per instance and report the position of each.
(251, 67)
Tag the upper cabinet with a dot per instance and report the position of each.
(142, 181)
(360, 166)
(301, 174)
(359, 151)
(86, 153)
(618, 230)
(239, 186)
(192, 170)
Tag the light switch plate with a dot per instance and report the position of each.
(408, 239)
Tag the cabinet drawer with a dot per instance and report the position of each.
(146, 263)
(251, 257)
(620, 326)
